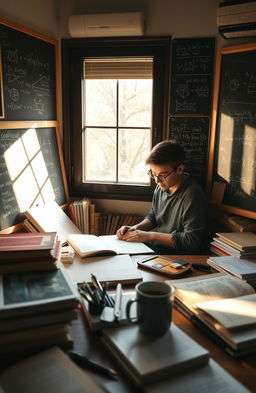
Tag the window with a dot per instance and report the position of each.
(115, 104)
(117, 119)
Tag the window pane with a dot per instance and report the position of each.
(99, 154)
(134, 147)
(99, 103)
(135, 102)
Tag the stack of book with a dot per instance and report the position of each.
(21, 252)
(35, 312)
(237, 244)
(172, 362)
(245, 269)
(223, 307)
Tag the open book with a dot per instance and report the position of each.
(51, 218)
(90, 245)
(223, 305)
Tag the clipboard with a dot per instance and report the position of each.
(174, 268)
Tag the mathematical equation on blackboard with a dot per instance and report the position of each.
(192, 134)
(28, 69)
(35, 177)
(192, 76)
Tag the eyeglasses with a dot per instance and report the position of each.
(161, 178)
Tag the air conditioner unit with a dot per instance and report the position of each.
(106, 25)
(237, 19)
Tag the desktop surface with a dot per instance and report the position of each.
(87, 342)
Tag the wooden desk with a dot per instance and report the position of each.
(87, 342)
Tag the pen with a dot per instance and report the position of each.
(118, 300)
(83, 361)
(97, 284)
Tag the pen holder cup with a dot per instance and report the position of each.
(96, 309)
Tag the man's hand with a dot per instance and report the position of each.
(135, 235)
(123, 230)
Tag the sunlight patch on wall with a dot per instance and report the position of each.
(28, 172)
(248, 160)
(226, 147)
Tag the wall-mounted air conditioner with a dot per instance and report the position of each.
(236, 19)
(106, 25)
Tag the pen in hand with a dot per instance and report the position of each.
(83, 361)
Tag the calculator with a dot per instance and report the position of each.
(170, 267)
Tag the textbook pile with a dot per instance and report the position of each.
(22, 252)
(237, 244)
(35, 312)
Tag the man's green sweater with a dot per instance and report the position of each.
(183, 214)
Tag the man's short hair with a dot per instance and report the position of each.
(166, 152)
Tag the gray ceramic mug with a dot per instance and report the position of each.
(154, 307)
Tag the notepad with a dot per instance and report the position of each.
(108, 269)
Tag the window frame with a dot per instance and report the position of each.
(73, 50)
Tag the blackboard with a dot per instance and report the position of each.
(191, 76)
(28, 72)
(30, 172)
(192, 133)
(235, 131)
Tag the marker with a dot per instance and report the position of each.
(83, 361)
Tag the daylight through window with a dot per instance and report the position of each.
(117, 119)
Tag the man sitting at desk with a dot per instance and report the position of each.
(176, 222)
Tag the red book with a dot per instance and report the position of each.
(29, 245)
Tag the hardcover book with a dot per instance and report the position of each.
(239, 240)
(33, 292)
(27, 245)
(148, 359)
(57, 374)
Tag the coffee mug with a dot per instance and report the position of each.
(154, 307)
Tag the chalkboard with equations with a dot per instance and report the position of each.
(28, 72)
(192, 76)
(192, 133)
(30, 172)
(235, 132)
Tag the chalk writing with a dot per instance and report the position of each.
(235, 160)
(192, 134)
(191, 76)
(28, 66)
